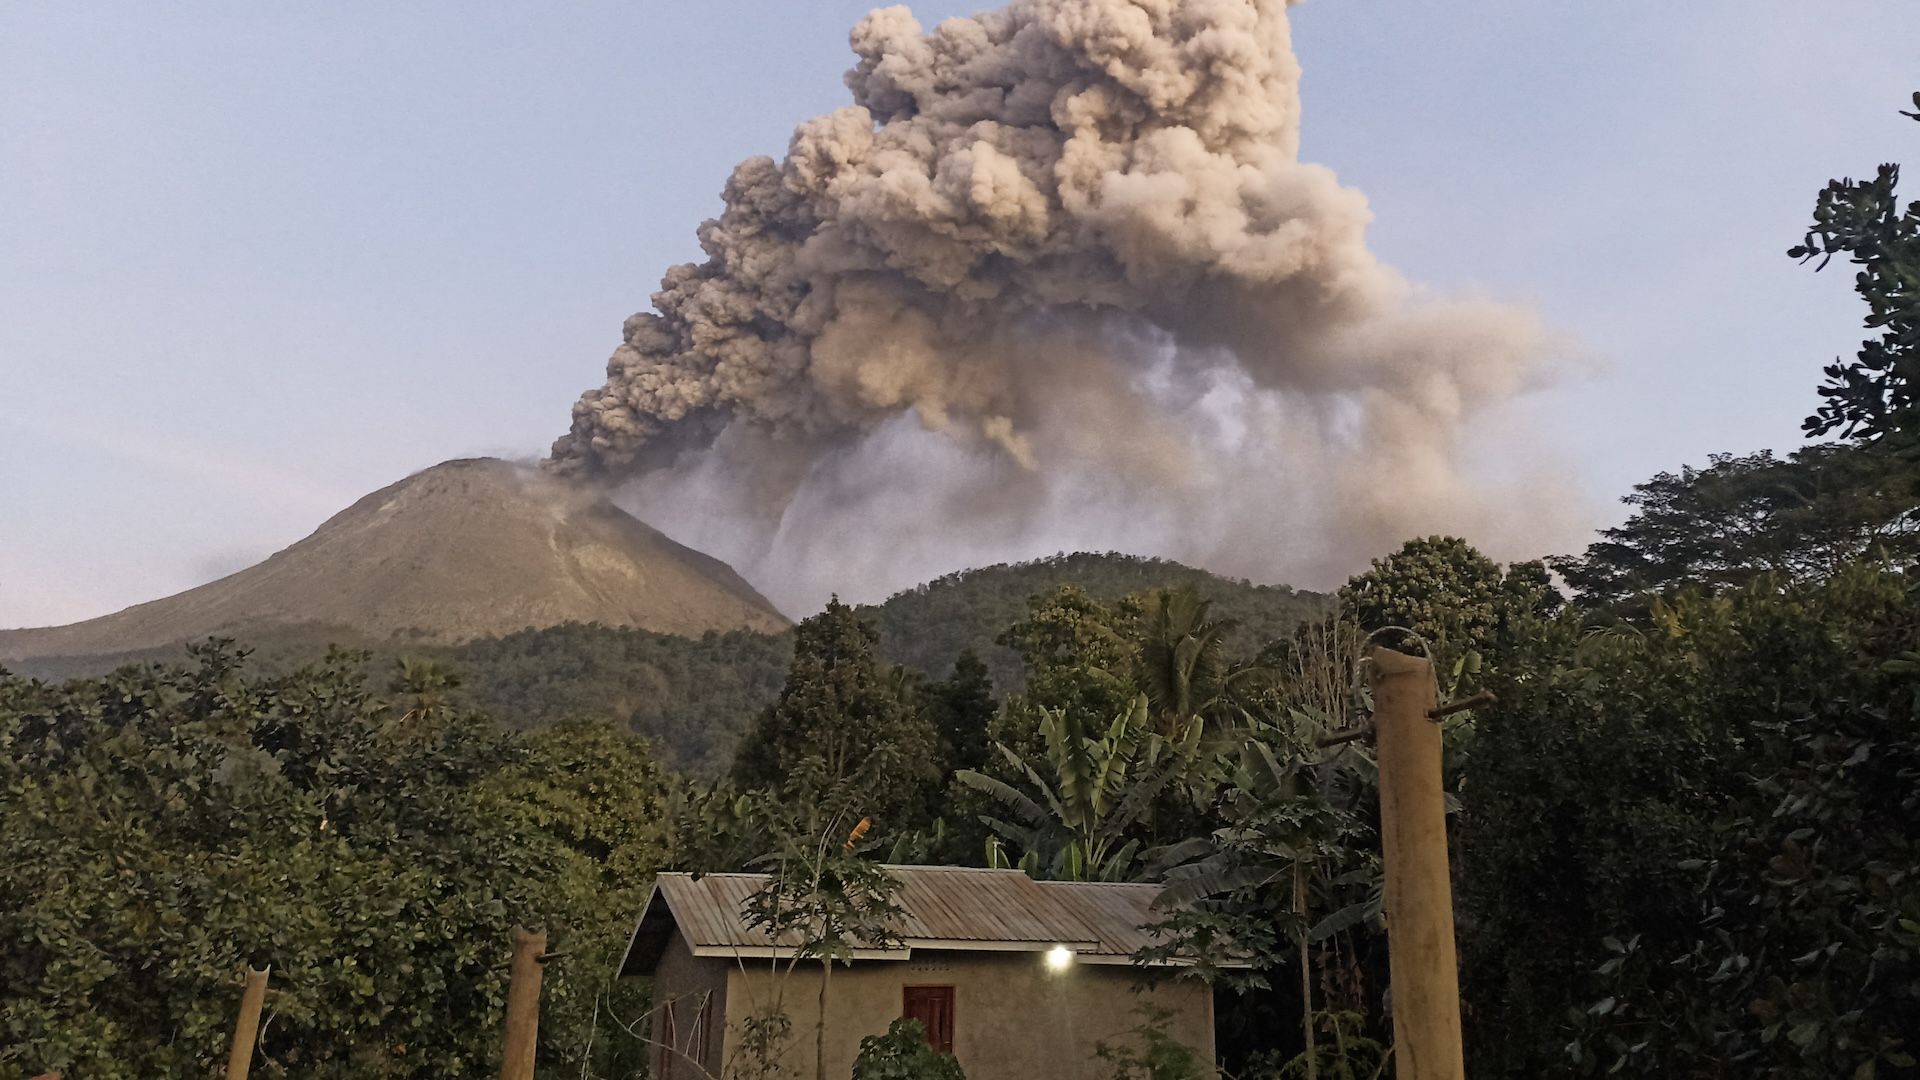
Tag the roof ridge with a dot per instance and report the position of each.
(942, 907)
(712, 873)
(949, 868)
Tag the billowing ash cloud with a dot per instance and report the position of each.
(1056, 278)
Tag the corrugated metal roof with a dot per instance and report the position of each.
(943, 907)
(1116, 913)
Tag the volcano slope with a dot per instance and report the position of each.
(476, 547)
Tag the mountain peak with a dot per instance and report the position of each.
(473, 547)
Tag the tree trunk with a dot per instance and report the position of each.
(1306, 968)
(820, 1023)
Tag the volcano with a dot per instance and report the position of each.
(471, 548)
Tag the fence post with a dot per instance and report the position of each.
(246, 1030)
(523, 1004)
(1422, 969)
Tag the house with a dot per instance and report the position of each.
(1017, 978)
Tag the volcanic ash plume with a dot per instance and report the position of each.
(1057, 269)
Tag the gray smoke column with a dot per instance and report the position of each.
(1057, 267)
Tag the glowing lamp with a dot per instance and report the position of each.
(1059, 958)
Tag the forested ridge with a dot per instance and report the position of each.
(1684, 827)
(694, 696)
(929, 626)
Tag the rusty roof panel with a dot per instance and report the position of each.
(1117, 914)
(947, 907)
(957, 904)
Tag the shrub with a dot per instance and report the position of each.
(903, 1054)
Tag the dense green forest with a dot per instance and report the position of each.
(691, 696)
(928, 627)
(694, 696)
(1686, 834)
(1685, 829)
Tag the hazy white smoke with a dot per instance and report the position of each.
(1055, 279)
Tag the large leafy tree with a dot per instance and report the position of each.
(1876, 396)
(600, 799)
(1079, 655)
(161, 827)
(961, 709)
(1798, 518)
(1706, 832)
(843, 736)
(1075, 647)
(1445, 591)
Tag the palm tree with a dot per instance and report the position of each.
(1184, 669)
(425, 686)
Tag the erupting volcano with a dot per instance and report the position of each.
(1056, 273)
(470, 548)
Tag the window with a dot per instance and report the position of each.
(674, 1053)
(933, 1007)
(701, 1038)
(667, 1041)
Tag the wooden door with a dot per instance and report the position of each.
(933, 1007)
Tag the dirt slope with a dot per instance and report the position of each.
(469, 548)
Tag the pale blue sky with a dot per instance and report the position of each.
(257, 260)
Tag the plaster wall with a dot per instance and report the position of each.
(695, 988)
(1013, 1018)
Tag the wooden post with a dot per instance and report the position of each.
(523, 1004)
(246, 1030)
(1422, 969)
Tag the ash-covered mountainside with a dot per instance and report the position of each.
(471, 548)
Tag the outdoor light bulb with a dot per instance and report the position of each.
(1059, 958)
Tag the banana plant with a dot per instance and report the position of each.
(1077, 815)
(1291, 856)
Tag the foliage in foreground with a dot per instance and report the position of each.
(1151, 1053)
(903, 1054)
(1693, 848)
(1797, 518)
(1876, 397)
(163, 827)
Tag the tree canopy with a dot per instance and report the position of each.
(1696, 850)
(1875, 396)
(161, 827)
(1798, 518)
(1443, 590)
(842, 728)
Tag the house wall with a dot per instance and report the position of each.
(688, 982)
(1013, 1019)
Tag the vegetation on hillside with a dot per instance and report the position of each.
(929, 626)
(694, 697)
